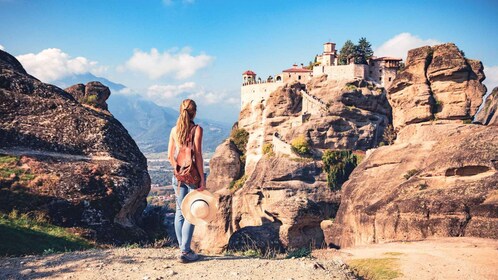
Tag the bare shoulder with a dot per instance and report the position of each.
(198, 129)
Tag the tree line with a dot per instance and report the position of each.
(360, 52)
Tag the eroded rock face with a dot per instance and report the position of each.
(488, 115)
(225, 166)
(93, 93)
(84, 170)
(284, 197)
(436, 180)
(354, 117)
(437, 83)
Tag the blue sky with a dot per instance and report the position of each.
(167, 50)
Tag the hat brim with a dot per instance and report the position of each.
(192, 196)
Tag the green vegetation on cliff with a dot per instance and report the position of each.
(338, 165)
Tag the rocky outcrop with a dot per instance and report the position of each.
(438, 179)
(284, 198)
(225, 166)
(437, 83)
(284, 195)
(74, 164)
(488, 114)
(93, 93)
(356, 115)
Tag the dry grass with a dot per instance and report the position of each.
(376, 269)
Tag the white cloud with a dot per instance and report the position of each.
(164, 93)
(399, 45)
(167, 95)
(491, 80)
(2, 47)
(53, 64)
(179, 64)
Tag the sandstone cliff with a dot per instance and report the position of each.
(71, 162)
(438, 179)
(440, 176)
(488, 114)
(281, 199)
(437, 83)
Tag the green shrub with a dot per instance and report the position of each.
(300, 146)
(338, 165)
(240, 138)
(389, 135)
(90, 99)
(237, 184)
(410, 173)
(350, 87)
(268, 149)
(299, 253)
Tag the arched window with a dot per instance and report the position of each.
(279, 78)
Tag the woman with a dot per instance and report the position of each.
(177, 138)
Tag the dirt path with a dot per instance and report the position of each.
(443, 258)
(151, 264)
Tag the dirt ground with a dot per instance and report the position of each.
(151, 264)
(442, 258)
(445, 258)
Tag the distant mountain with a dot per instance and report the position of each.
(85, 78)
(148, 123)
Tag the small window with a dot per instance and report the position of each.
(299, 77)
(380, 79)
(390, 79)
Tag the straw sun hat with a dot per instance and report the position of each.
(199, 207)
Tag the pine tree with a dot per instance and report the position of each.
(347, 51)
(363, 51)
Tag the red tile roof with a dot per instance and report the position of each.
(248, 72)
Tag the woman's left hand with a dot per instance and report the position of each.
(202, 185)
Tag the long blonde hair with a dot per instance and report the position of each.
(188, 109)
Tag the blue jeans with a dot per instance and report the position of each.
(183, 228)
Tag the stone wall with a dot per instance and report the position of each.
(281, 147)
(257, 92)
(312, 105)
(342, 72)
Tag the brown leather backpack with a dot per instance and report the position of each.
(186, 168)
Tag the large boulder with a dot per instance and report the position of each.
(488, 114)
(437, 180)
(225, 166)
(283, 198)
(437, 83)
(93, 93)
(75, 164)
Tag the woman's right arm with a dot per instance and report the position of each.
(171, 148)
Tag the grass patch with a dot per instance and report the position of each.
(8, 159)
(394, 254)
(9, 166)
(21, 235)
(376, 269)
(299, 253)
